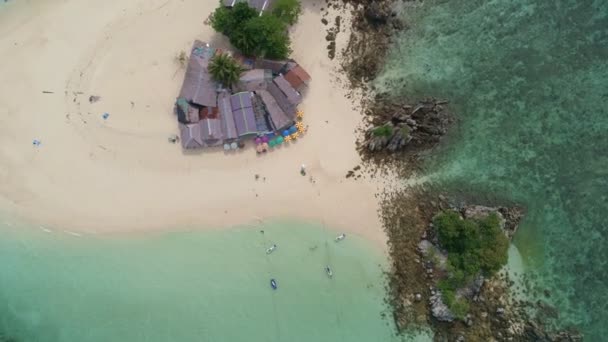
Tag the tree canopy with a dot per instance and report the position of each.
(225, 69)
(261, 36)
(287, 10)
(474, 247)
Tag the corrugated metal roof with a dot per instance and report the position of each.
(288, 108)
(278, 117)
(241, 100)
(227, 117)
(260, 5)
(244, 119)
(190, 136)
(198, 87)
(274, 66)
(211, 131)
(292, 95)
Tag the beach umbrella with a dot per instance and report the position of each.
(299, 125)
(272, 143)
(271, 135)
(288, 138)
(286, 133)
(265, 139)
(280, 140)
(301, 130)
(292, 129)
(265, 146)
(234, 146)
(300, 114)
(226, 147)
(295, 136)
(258, 140)
(259, 148)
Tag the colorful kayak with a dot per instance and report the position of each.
(271, 249)
(340, 237)
(273, 284)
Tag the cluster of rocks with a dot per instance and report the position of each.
(373, 25)
(396, 126)
(332, 33)
(493, 313)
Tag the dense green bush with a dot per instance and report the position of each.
(474, 247)
(287, 10)
(383, 131)
(260, 36)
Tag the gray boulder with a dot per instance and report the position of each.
(439, 309)
(478, 212)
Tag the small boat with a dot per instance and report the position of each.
(271, 249)
(273, 284)
(329, 272)
(340, 237)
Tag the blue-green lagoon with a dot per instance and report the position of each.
(192, 286)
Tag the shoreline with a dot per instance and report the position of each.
(121, 175)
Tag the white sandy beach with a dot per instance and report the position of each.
(122, 175)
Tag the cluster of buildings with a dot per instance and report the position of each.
(264, 100)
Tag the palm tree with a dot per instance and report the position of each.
(225, 69)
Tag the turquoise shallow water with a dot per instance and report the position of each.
(528, 81)
(191, 286)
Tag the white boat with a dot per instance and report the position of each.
(329, 272)
(271, 249)
(340, 237)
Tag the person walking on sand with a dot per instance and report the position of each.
(303, 170)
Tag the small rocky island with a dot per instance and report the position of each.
(448, 271)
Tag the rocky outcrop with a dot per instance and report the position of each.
(419, 126)
(433, 254)
(378, 13)
(509, 216)
(439, 309)
(534, 331)
(472, 289)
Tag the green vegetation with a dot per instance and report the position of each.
(458, 306)
(287, 10)
(383, 131)
(255, 35)
(474, 247)
(225, 69)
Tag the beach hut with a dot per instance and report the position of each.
(193, 114)
(298, 78)
(254, 80)
(292, 94)
(227, 116)
(181, 109)
(282, 100)
(244, 116)
(211, 131)
(258, 5)
(276, 114)
(198, 87)
(190, 136)
(276, 67)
